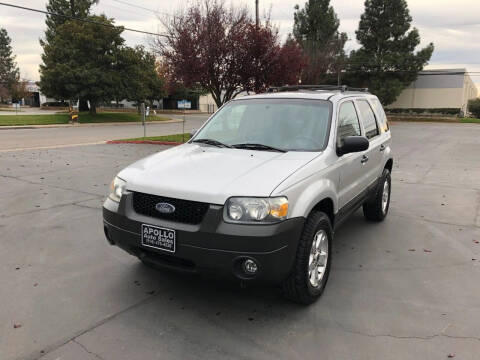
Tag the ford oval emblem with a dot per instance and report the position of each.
(165, 208)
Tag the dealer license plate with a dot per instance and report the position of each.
(158, 238)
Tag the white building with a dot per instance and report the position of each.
(434, 89)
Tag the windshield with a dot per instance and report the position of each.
(270, 124)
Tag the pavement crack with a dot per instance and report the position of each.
(434, 221)
(47, 185)
(399, 268)
(421, 182)
(86, 349)
(98, 324)
(48, 208)
(407, 337)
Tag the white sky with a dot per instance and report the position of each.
(453, 26)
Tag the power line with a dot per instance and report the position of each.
(142, 7)
(81, 20)
(122, 9)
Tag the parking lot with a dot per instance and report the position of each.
(407, 288)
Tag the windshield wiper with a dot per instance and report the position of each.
(211, 142)
(252, 146)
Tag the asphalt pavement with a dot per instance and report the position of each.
(51, 137)
(406, 288)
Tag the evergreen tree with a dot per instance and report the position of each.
(72, 8)
(75, 8)
(9, 73)
(79, 62)
(387, 62)
(316, 30)
(138, 76)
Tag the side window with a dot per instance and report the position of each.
(368, 117)
(348, 124)
(382, 117)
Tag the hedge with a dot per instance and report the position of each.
(445, 111)
(474, 107)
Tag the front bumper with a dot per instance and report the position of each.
(211, 247)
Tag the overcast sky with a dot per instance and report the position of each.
(453, 26)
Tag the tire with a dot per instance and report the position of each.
(298, 286)
(376, 209)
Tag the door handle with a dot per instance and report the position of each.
(364, 159)
(382, 147)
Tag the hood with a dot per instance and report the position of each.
(210, 174)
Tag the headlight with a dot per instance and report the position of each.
(255, 210)
(117, 188)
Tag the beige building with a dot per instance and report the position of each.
(434, 89)
(207, 104)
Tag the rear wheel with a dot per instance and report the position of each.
(376, 209)
(310, 272)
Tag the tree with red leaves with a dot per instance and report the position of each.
(221, 50)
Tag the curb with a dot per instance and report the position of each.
(150, 142)
(13, 127)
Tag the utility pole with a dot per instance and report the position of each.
(257, 17)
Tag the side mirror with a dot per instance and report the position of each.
(352, 144)
(192, 133)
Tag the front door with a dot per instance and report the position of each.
(372, 132)
(351, 166)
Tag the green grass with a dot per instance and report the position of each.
(33, 119)
(470, 120)
(84, 118)
(172, 138)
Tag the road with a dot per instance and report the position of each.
(33, 138)
(406, 288)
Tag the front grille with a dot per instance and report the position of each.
(189, 212)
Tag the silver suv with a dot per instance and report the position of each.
(259, 190)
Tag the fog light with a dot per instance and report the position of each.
(250, 267)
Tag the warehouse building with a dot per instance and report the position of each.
(438, 89)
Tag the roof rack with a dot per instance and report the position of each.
(342, 88)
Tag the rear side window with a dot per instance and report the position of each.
(381, 116)
(368, 117)
(348, 124)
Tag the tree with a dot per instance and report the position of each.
(68, 8)
(75, 8)
(316, 30)
(79, 62)
(19, 90)
(222, 50)
(474, 107)
(139, 79)
(9, 73)
(263, 62)
(387, 62)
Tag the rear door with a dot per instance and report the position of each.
(352, 175)
(374, 154)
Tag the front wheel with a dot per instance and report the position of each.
(376, 208)
(310, 272)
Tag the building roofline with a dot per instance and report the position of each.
(440, 71)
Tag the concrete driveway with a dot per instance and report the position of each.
(407, 288)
